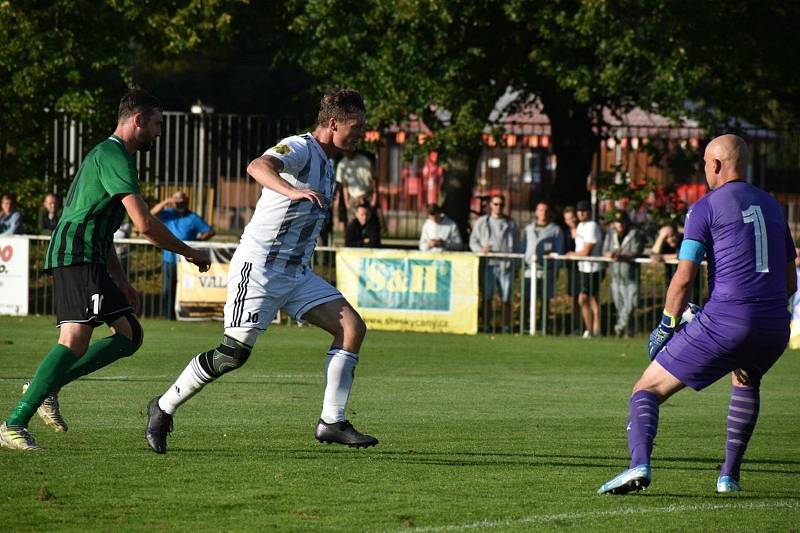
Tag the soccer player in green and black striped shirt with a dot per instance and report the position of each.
(91, 288)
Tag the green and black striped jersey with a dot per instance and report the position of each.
(93, 210)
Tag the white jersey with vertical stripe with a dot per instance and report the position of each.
(283, 233)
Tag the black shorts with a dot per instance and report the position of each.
(86, 294)
(589, 283)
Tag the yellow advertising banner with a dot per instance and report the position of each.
(794, 332)
(411, 291)
(202, 296)
(794, 335)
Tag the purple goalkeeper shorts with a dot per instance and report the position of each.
(708, 348)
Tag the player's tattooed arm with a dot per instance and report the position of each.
(266, 171)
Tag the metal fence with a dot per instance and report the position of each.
(555, 307)
(514, 299)
(205, 155)
(545, 299)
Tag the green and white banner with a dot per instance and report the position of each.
(409, 290)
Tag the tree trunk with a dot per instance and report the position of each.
(574, 143)
(458, 184)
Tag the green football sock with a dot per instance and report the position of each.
(101, 353)
(50, 372)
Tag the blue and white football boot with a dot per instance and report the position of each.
(633, 479)
(726, 484)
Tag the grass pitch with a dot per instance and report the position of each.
(477, 433)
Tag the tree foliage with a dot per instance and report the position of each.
(445, 62)
(577, 58)
(251, 68)
(77, 56)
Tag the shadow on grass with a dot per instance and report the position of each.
(479, 459)
(492, 459)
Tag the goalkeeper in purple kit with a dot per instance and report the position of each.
(743, 329)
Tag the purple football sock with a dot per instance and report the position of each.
(642, 426)
(742, 417)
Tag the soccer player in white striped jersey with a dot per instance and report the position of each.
(271, 270)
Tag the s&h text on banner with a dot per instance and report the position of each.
(409, 290)
(202, 296)
(14, 276)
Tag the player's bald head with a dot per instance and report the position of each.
(729, 149)
(726, 159)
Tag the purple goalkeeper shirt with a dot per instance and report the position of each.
(748, 246)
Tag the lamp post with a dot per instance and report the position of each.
(201, 111)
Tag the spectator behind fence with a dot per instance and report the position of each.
(588, 243)
(354, 175)
(571, 222)
(667, 244)
(10, 218)
(439, 232)
(623, 243)
(542, 238)
(496, 233)
(185, 225)
(483, 209)
(50, 214)
(666, 247)
(364, 231)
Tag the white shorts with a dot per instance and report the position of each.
(256, 293)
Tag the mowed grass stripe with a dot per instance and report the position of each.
(515, 433)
